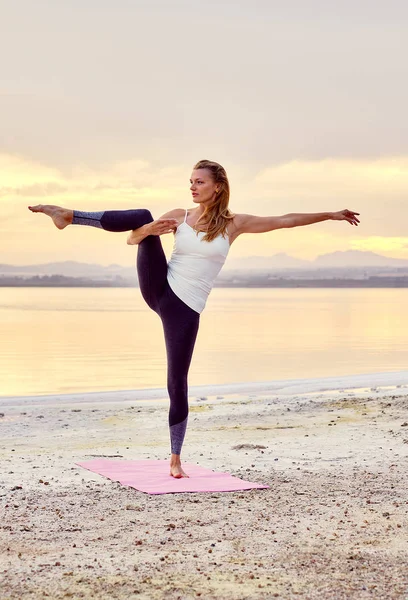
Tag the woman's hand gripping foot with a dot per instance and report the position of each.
(158, 227)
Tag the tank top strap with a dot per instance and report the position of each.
(185, 217)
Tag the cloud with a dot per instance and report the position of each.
(380, 244)
(17, 171)
(116, 183)
(377, 189)
(37, 190)
(339, 177)
(296, 181)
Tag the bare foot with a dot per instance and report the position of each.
(60, 216)
(175, 469)
(177, 472)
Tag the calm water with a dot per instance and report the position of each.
(77, 340)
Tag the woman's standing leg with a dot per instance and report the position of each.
(180, 325)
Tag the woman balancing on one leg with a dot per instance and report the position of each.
(178, 291)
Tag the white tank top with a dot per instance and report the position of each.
(194, 265)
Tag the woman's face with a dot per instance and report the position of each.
(202, 186)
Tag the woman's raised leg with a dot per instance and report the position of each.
(151, 260)
(110, 220)
(113, 220)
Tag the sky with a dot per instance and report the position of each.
(108, 104)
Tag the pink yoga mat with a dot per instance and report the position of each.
(152, 477)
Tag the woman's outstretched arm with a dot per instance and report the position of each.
(253, 224)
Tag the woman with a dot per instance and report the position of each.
(178, 291)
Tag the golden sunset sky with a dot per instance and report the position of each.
(108, 104)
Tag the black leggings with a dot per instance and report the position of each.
(180, 322)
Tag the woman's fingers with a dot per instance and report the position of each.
(161, 226)
(350, 216)
(167, 222)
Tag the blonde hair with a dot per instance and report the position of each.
(216, 215)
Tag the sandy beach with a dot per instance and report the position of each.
(333, 523)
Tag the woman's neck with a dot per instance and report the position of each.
(198, 211)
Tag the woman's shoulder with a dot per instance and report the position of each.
(176, 213)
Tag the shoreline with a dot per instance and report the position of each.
(365, 383)
(332, 523)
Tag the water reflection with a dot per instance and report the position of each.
(73, 340)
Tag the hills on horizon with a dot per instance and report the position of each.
(338, 259)
(350, 259)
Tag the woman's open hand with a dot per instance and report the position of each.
(346, 215)
(158, 227)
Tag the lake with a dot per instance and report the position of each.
(66, 340)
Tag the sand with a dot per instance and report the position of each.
(333, 523)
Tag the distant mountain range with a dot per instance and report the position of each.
(346, 259)
(351, 260)
(70, 269)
